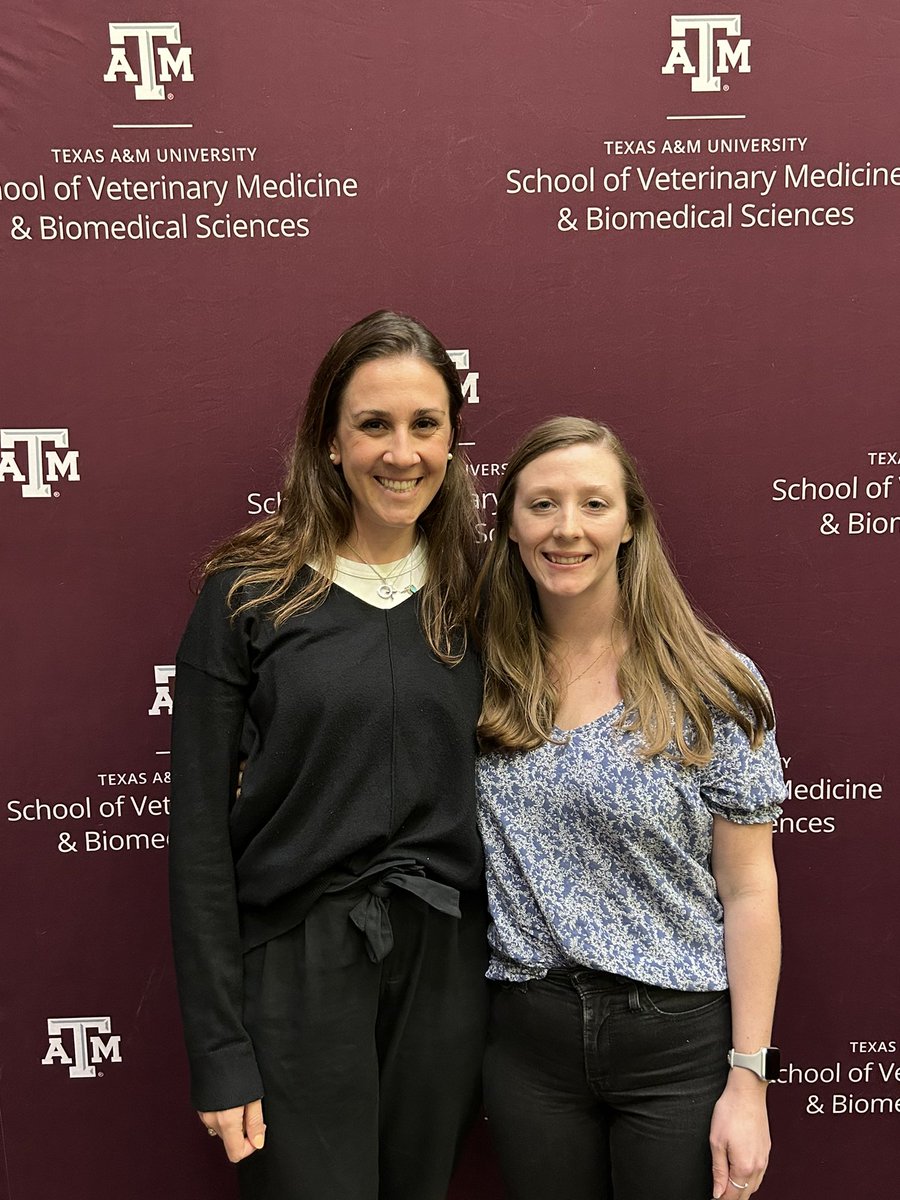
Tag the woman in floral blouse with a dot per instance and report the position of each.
(628, 789)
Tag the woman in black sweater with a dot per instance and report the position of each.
(329, 922)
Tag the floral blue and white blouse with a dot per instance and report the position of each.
(599, 858)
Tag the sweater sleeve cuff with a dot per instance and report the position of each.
(225, 1078)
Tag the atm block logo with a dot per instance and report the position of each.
(81, 1044)
(31, 458)
(141, 53)
(163, 675)
(468, 379)
(706, 48)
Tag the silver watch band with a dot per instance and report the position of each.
(764, 1063)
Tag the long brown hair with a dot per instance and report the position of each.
(316, 512)
(675, 665)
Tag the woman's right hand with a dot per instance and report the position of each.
(242, 1129)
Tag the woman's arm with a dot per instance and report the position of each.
(744, 870)
(226, 1086)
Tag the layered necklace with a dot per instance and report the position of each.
(385, 589)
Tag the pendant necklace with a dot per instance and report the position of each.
(384, 590)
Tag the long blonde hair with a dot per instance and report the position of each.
(675, 666)
(316, 512)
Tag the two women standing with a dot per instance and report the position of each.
(330, 920)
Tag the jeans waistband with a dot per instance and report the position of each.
(586, 975)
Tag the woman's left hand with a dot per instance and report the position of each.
(739, 1137)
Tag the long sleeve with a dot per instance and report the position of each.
(335, 710)
(207, 723)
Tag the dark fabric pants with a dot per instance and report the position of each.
(598, 1087)
(372, 1071)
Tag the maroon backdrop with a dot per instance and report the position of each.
(684, 226)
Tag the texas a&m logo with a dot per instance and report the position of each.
(32, 459)
(704, 48)
(468, 379)
(163, 702)
(140, 54)
(80, 1043)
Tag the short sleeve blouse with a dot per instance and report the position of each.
(600, 858)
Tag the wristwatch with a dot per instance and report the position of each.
(766, 1062)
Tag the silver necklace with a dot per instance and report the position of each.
(384, 590)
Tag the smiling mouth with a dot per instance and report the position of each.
(566, 560)
(399, 486)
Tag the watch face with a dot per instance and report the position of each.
(772, 1059)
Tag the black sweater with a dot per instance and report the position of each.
(360, 749)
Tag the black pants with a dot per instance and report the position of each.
(372, 1071)
(598, 1087)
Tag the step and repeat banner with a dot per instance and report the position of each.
(683, 224)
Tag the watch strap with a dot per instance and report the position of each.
(765, 1062)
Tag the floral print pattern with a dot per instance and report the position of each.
(599, 858)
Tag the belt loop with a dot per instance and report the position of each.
(634, 998)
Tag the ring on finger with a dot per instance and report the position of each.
(741, 1187)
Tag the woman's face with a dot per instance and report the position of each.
(569, 518)
(392, 440)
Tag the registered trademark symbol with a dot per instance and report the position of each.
(56, 495)
(726, 88)
(170, 96)
(99, 1074)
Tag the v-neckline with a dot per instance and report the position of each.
(593, 721)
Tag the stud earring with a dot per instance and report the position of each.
(333, 456)
(450, 456)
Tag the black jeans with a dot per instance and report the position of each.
(598, 1087)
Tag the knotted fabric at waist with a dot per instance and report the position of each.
(259, 925)
(371, 913)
